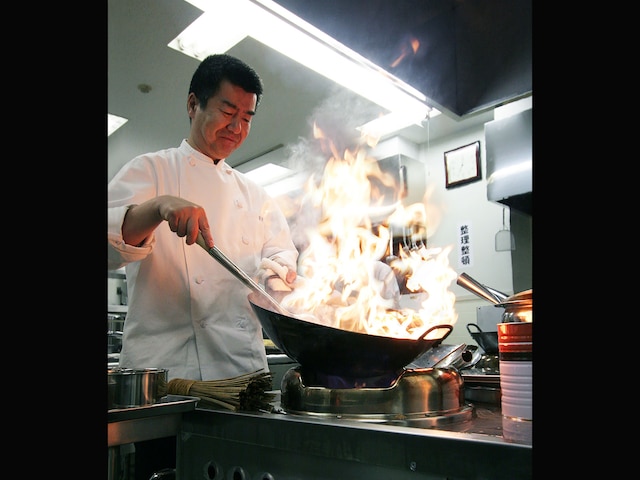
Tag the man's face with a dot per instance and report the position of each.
(224, 124)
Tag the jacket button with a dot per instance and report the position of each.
(199, 280)
(192, 162)
(245, 240)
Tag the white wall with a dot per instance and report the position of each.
(465, 204)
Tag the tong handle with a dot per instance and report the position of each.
(240, 274)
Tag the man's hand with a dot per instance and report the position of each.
(276, 276)
(185, 218)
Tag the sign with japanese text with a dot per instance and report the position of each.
(465, 254)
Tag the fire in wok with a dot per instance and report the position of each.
(343, 353)
(357, 330)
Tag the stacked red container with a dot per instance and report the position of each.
(515, 346)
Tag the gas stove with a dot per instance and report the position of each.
(411, 424)
(218, 444)
(420, 397)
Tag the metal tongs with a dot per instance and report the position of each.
(241, 275)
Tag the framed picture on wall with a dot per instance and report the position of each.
(462, 165)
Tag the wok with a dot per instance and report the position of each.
(488, 341)
(333, 351)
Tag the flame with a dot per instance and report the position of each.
(411, 46)
(343, 281)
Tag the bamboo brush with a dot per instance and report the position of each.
(247, 392)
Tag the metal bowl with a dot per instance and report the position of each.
(135, 387)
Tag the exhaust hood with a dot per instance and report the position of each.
(465, 56)
(509, 152)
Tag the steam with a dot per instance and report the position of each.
(338, 116)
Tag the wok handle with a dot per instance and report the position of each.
(437, 327)
(479, 330)
(236, 271)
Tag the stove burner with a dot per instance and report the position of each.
(319, 379)
(423, 397)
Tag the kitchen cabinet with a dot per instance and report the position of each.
(138, 424)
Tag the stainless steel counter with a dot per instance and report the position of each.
(137, 424)
(225, 444)
(220, 444)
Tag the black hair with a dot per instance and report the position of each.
(206, 80)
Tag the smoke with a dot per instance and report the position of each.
(337, 117)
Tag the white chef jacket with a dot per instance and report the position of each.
(186, 312)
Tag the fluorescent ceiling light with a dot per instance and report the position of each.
(393, 122)
(286, 185)
(277, 180)
(276, 27)
(269, 173)
(114, 122)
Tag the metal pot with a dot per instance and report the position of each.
(135, 387)
(333, 351)
(517, 308)
(488, 341)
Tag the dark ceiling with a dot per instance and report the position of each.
(472, 54)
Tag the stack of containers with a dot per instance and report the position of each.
(515, 346)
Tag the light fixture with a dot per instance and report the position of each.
(393, 122)
(276, 27)
(267, 169)
(277, 180)
(269, 173)
(293, 183)
(505, 240)
(114, 122)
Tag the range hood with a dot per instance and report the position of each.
(510, 161)
(466, 56)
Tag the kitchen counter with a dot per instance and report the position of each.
(137, 424)
(263, 445)
(277, 445)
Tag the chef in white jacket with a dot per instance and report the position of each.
(186, 312)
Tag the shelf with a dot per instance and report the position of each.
(117, 308)
(119, 273)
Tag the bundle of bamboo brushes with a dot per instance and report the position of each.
(247, 392)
